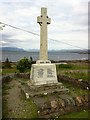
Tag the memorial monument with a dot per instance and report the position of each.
(43, 72)
(43, 78)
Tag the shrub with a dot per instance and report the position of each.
(24, 64)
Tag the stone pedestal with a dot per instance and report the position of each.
(44, 73)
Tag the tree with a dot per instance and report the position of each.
(31, 58)
(24, 64)
(7, 63)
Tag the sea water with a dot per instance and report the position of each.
(52, 55)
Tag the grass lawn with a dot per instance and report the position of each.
(9, 70)
(71, 66)
(84, 75)
(13, 69)
(81, 114)
(80, 75)
(79, 71)
(74, 90)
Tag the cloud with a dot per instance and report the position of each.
(68, 22)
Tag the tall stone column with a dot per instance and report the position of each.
(43, 20)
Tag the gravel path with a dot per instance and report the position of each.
(17, 105)
(14, 101)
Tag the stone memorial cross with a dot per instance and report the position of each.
(43, 72)
(43, 20)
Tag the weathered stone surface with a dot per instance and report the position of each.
(68, 109)
(79, 101)
(43, 20)
(43, 74)
(61, 103)
(67, 100)
(45, 90)
(54, 104)
(47, 105)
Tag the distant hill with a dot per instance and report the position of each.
(84, 51)
(33, 50)
(11, 49)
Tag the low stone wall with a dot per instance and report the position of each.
(6, 79)
(61, 78)
(22, 75)
(73, 81)
(59, 107)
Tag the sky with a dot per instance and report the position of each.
(69, 23)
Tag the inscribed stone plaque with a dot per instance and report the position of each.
(50, 72)
(40, 73)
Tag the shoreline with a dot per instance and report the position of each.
(54, 61)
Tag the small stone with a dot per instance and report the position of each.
(27, 95)
(87, 88)
(80, 80)
(62, 87)
(56, 116)
(45, 93)
(62, 104)
(79, 101)
(54, 104)
(61, 109)
(38, 112)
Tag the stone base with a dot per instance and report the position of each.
(54, 100)
(44, 73)
(46, 89)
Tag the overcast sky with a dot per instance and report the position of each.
(69, 23)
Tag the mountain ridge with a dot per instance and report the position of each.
(11, 49)
(63, 50)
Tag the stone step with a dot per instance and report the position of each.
(46, 87)
(48, 92)
(33, 92)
